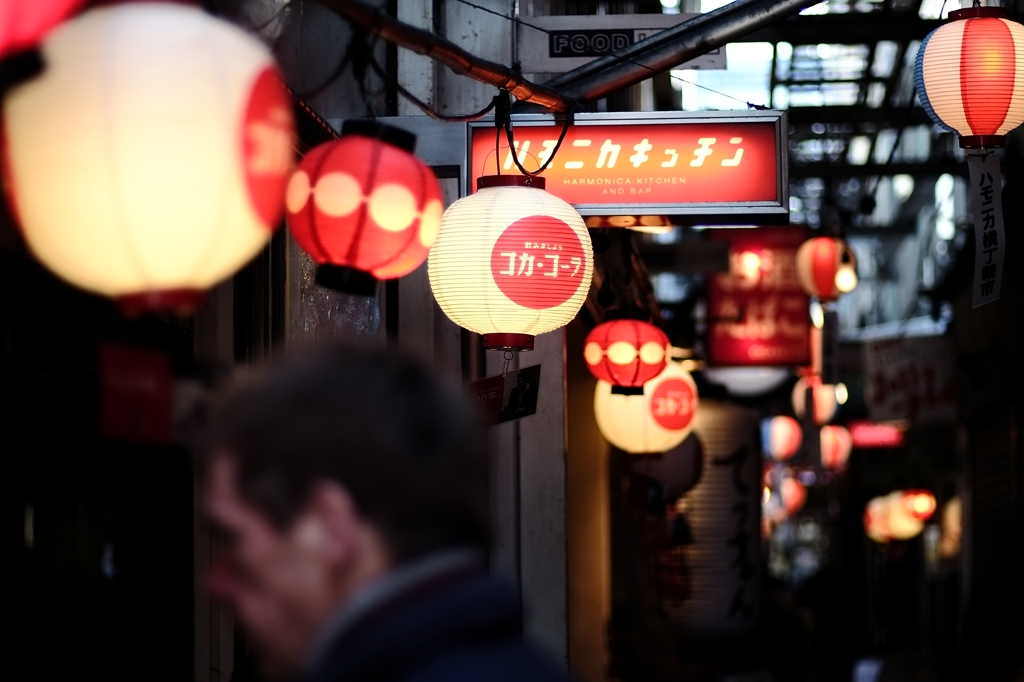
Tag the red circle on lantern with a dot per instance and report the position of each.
(24, 22)
(643, 346)
(366, 204)
(268, 161)
(673, 404)
(538, 262)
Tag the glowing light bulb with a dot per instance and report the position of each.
(842, 393)
(846, 278)
(750, 263)
(817, 314)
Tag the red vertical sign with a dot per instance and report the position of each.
(757, 312)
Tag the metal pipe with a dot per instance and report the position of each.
(670, 48)
(451, 55)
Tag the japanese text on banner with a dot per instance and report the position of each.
(987, 207)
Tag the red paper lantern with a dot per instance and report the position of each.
(24, 22)
(794, 495)
(782, 437)
(968, 75)
(826, 268)
(836, 443)
(919, 503)
(823, 397)
(364, 207)
(626, 353)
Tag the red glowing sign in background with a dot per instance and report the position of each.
(757, 311)
(645, 163)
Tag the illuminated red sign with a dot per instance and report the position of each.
(868, 434)
(757, 312)
(661, 164)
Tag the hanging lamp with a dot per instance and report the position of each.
(826, 268)
(170, 173)
(511, 261)
(626, 354)
(364, 207)
(654, 422)
(781, 437)
(823, 398)
(836, 444)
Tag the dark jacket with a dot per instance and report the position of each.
(464, 627)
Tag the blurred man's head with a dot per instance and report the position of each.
(321, 477)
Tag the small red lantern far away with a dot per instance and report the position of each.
(364, 207)
(24, 22)
(626, 353)
(826, 268)
(836, 443)
(919, 503)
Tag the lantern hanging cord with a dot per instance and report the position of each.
(517, 20)
(508, 355)
(423, 106)
(503, 119)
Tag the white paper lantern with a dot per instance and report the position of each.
(150, 158)
(511, 261)
(654, 422)
(823, 396)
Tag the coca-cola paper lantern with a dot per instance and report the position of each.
(511, 261)
(836, 444)
(654, 422)
(781, 437)
(823, 397)
(626, 354)
(150, 158)
(364, 207)
(826, 268)
(24, 22)
(968, 75)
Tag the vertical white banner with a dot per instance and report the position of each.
(987, 206)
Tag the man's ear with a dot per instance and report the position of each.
(330, 524)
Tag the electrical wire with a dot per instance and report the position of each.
(503, 119)
(751, 105)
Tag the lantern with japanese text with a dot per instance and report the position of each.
(364, 207)
(511, 261)
(969, 78)
(781, 437)
(626, 354)
(826, 268)
(651, 423)
(173, 173)
(823, 399)
(24, 22)
(836, 444)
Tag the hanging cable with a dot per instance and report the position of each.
(517, 20)
(423, 106)
(503, 119)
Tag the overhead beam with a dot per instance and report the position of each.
(847, 29)
(844, 170)
(856, 114)
(667, 49)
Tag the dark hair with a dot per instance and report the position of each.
(407, 447)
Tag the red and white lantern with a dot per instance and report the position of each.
(24, 22)
(511, 261)
(781, 437)
(836, 444)
(654, 422)
(900, 515)
(364, 207)
(626, 353)
(793, 493)
(823, 397)
(969, 77)
(826, 268)
(171, 175)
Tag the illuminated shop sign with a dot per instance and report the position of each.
(719, 165)
(757, 312)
